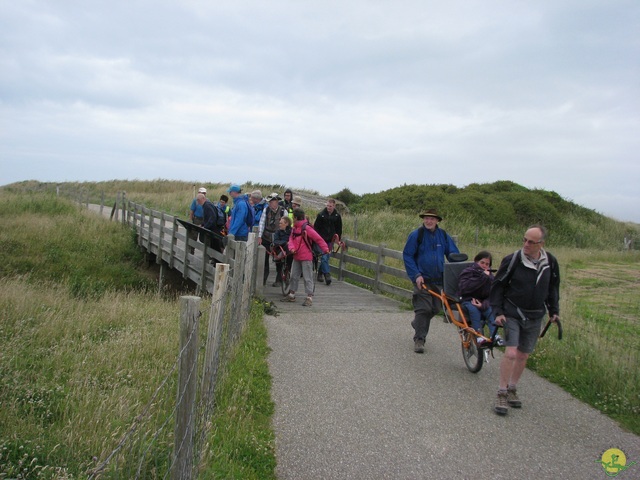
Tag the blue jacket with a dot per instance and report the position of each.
(259, 208)
(238, 227)
(427, 259)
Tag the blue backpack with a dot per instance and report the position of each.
(250, 219)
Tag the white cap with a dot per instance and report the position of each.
(202, 190)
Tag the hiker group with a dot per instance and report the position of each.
(282, 226)
(524, 290)
(517, 298)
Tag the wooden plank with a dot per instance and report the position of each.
(396, 272)
(360, 262)
(358, 278)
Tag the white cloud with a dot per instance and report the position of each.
(367, 95)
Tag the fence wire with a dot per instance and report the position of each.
(145, 450)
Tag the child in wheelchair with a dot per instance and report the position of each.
(474, 287)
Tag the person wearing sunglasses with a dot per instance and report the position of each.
(525, 289)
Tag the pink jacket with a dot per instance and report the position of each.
(298, 245)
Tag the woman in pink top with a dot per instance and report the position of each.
(303, 236)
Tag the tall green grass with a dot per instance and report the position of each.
(84, 341)
(75, 372)
(597, 360)
(86, 344)
(242, 442)
(53, 240)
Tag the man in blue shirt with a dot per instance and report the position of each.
(423, 256)
(196, 216)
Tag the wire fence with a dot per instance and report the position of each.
(168, 438)
(165, 441)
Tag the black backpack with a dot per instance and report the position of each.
(221, 216)
(313, 246)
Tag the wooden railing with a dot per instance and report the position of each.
(163, 236)
(373, 273)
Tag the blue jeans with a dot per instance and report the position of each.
(479, 318)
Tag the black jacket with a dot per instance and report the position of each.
(210, 213)
(529, 289)
(327, 225)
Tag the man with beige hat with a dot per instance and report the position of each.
(423, 256)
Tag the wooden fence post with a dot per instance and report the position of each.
(174, 241)
(214, 333)
(163, 222)
(249, 277)
(259, 269)
(379, 262)
(124, 207)
(236, 289)
(141, 230)
(182, 465)
(114, 211)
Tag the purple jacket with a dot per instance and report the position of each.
(473, 282)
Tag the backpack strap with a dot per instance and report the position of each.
(420, 236)
(507, 275)
(305, 238)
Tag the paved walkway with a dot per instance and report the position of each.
(353, 401)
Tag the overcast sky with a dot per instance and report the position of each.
(368, 95)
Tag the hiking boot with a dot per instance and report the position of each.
(276, 284)
(502, 405)
(307, 302)
(320, 277)
(327, 278)
(289, 298)
(418, 346)
(512, 398)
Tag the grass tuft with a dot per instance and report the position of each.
(242, 444)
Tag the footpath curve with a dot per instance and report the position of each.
(353, 401)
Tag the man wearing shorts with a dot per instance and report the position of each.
(526, 287)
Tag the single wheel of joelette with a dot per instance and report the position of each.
(473, 357)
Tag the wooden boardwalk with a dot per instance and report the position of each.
(340, 297)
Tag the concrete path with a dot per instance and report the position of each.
(353, 401)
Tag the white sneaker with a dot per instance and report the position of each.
(499, 341)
